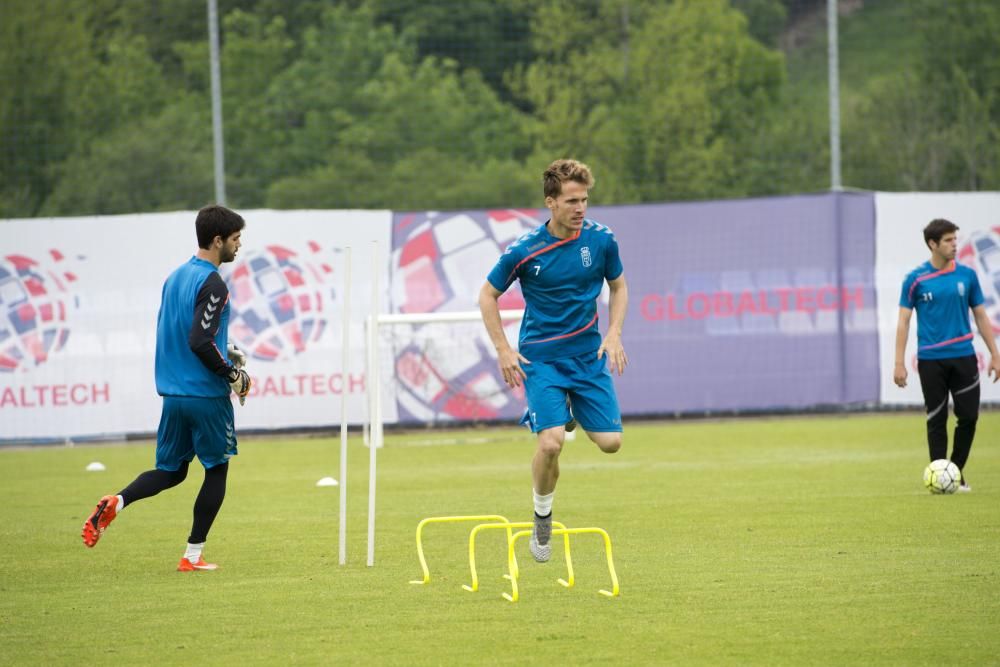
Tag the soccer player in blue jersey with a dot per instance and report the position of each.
(942, 292)
(195, 377)
(564, 364)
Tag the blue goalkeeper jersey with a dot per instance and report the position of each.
(192, 333)
(560, 280)
(942, 299)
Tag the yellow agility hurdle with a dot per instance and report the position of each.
(448, 519)
(512, 562)
(513, 595)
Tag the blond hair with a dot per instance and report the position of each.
(561, 171)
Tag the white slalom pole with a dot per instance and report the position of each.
(345, 360)
(366, 425)
(375, 418)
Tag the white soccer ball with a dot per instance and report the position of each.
(942, 476)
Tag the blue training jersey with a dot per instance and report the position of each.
(192, 332)
(942, 299)
(560, 280)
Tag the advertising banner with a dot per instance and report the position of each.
(79, 299)
(901, 248)
(746, 305)
(738, 305)
(752, 304)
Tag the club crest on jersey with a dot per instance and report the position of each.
(585, 256)
(961, 289)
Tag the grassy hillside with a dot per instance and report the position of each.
(875, 40)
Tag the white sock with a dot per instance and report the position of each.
(193, 551)
(120, 505)
(543, 504)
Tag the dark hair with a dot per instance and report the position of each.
(215, 221)
(561, 171)
(938, 228)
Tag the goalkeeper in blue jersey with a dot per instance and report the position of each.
(942, 292)
(565, 365)
(195, 377)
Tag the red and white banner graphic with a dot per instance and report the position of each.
(79, 299)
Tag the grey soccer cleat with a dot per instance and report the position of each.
(540, 536)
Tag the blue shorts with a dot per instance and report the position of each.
(192, 426)
(586, 380)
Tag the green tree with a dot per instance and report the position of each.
(961, 36)
(665, 105)
(975, 134)
(427, 178)
(45, 57)
(317, 96)
(961, 71)
(69, 77)
(765, 18)
(255, 129)
(935, 125)
(489, 36)
(894, 140)
(161, 163)
(166, 23)
(367, 114)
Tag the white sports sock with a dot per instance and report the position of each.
(543, 504)
(120, 505)
(193, 551)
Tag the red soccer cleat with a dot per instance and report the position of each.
(187, 566)
(99, 519)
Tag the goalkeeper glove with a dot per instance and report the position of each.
(236, 355)
(240, 382)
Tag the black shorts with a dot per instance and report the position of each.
(957, 377)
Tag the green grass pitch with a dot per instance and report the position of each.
(747, 541)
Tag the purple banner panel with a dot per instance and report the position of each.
(736, 305)
(752, 304)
